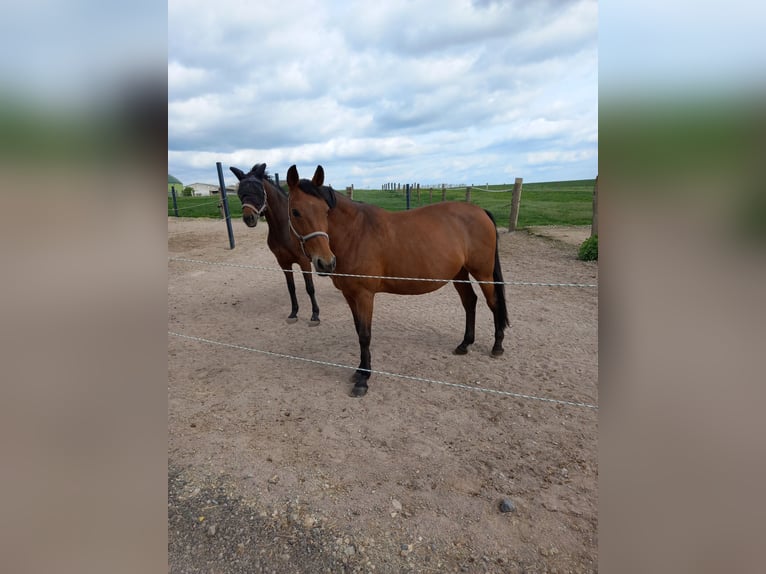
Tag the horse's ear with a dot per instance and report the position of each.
(259, 169)
(292, 176)
(318, 178)
(238, 172)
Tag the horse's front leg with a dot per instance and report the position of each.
(293, 317)
(306, 268)
(361, 307)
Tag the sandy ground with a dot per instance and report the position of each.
(573, 235)
(272, 467)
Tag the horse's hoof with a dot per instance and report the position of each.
(314, 323)
(497, 352)
(292, 320)
(358, 392)
(460, 351)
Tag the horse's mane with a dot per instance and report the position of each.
(325, 192)
(269, 177)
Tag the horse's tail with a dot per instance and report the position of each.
(501, 308)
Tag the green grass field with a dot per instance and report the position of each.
(550, 203)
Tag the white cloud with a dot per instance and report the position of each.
(437, 90)
(181, 77)
(558, 156)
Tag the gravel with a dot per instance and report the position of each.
(507, 505)
(211, 530)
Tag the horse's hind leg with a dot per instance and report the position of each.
(293, 317)
(489, 294)
(468, 298)
(310, 290)
(361, 307)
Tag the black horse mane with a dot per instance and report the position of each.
(325, 192)
(268, 176)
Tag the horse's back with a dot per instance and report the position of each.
(453, 224)
(436, 241)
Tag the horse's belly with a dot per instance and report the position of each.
(427, 275)
(410, 287)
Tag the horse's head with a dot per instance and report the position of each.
(251, 193)
(308, 208)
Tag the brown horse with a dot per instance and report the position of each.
(441, 241)
(260, 195)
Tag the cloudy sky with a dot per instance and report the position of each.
(428, 91)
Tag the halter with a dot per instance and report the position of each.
(259, 212)
(304, 238)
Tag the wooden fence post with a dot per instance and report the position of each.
(430, 194)
(350, 191)
(594, 221)
(444, 192)
(515, 200)
(468, 194)
(418, 188)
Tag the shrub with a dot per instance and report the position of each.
(188, 191)
(589, 249)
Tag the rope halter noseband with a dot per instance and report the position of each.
(258, 212)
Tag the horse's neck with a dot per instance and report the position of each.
(343, 215)
(347, 221)
(276, 212)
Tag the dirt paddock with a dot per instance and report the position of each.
(272, 467)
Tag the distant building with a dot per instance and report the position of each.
(204, 188)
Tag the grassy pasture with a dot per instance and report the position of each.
(549, 203)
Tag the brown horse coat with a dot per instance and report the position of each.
(442, 241)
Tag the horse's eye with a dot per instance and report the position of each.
(296, 213)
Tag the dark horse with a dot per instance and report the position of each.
(442, 241)
(260, 195)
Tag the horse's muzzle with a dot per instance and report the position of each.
(324, 267)
(250, 219)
